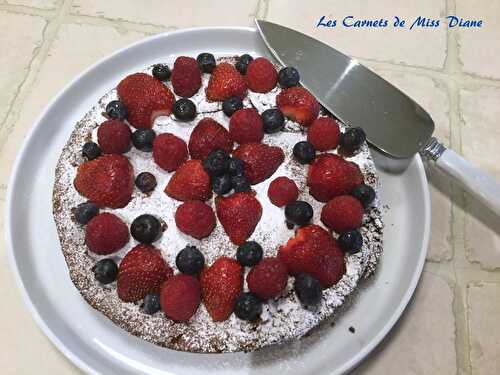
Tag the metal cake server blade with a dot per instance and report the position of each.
(394, 123)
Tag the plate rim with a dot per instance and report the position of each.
(42, 324)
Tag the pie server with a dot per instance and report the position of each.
(394, 124)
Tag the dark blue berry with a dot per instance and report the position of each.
(216, 163)
(364, 193)
(236, 167)
(190, 260)
(105, 271)
(142, 139)
(273, 120)
(243, 62)
(116, 110)
(221, 184)
(298, 212)
(352, 139)
(248, 307)
(288, 77)
(304, 152)
(145, 228)
(351, 241)
(308, 290)
(206, 62)
(85, 211)
(249, 253)
(91, 150)
(151, 303)
(240, 184)
(145, 182)
(231, 105)
(184, 110)
(161, 72)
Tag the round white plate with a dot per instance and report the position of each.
(94, 343)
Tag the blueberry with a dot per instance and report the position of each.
(116, 110)
(105, 271)
(221, 184)
(151, 303)
(236, 167)
(243, 62)
(364, 193)
(190, 260)
(145, 182)
(273, 120)
(184, 110)
(145, 228)
(240, 184)
(161, 72)
(216, 163)
(91, 150)
(248, 307)
(298, 212)
(206, 62)
(304, 152)
(352, 139)
(142, 139)
(231, 105)
(249, 253)
(288, 77)
(85, 211)
(351, 241)
(308, 290)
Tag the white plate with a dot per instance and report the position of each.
(95, 344)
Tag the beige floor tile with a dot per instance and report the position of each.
(158, 12)
(385, 44)
(479, 47)
(483, 312)
(423, 341)
(43, 4)
(18, 44)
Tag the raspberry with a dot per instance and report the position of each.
(180, 297)
(169, 151)
(268, 278)
(261, 75)
(106, 233)
(114, 137)
(324, 134)
(342, 213)
(186, 76)
(195, 219)
(282, 191)
(246, 126)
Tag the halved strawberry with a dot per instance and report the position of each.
(189, 182)
(298, 104)
(239, 214)
(226, 82)
(107, 181)
(207, 136)
(221, 284)
(261, 160)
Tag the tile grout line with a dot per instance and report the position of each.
(119, 24)
(28, 10)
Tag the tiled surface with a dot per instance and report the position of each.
(450, 326)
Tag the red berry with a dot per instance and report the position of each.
(282, 191)
(189, 182)
(298, 104)
(324, 134)
(106, 233)
(246, 126)
(180, 297)
(342, 213)
(261, 75)
(226, 82)
(186, 76)
(207, 136)
(261, 160)
(169, 151)
(268, 278)
(114, 137)
(195, 219)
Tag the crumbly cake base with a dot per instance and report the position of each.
(282, 319)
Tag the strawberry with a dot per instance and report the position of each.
(282, 191)
(180, 297)
(246, 126)
(298, 104)
(330, 175)
(107, 181)
(207, 136)
(145, 98)
(239, 214)
(314, 251)
(169, 151)
(342, 213)
(261, 75)
(195, 219)
(114, 137)
(261, 160)
(324, 134)
(106, 233)
(189, 182)
(143, 270)
(268, 278)
(226, 82)
(186, 76)
(221, 284)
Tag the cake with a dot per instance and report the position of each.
(280, 298)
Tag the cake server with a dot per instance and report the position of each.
(394, 123)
